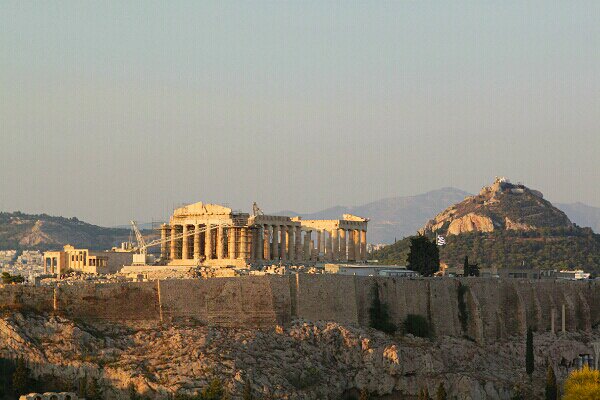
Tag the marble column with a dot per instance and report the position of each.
(596, 347)
(259, 243)
(196, 242)
(184, 244)
(363, 245)
(275, 243)
(291, 242)
(208, 242)
(320, 244)
(173, 245)
(163, 242)
(328, 245)
(335, 241)
(307, 248)
(231, 242)
(298, 244)
(267, 232)
(351, 249)
(343, 254)
(243, 252)
(356, 236)
(283, 243)
(220, 242)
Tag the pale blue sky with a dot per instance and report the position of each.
(111, 111)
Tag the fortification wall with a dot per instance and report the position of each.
(109, 301)
(491, 308)
(21, 297)
(324, 297)
(252, 301)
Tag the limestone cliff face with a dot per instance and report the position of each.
(470, 222)
(500, 206)
(320, 360)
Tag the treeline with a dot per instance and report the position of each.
(544, 248)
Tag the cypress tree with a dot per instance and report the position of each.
(551, 387)
(247, 391)
(441, 393)
(379, 316)
(20, 378)
(529, 361)
(93, 391)
(466, 269)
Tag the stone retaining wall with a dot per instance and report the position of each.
(494, 308)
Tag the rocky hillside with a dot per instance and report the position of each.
(24, 231)
(507, 225)
(501, 206)
(303, 361)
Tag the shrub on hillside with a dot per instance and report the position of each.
(417, 325)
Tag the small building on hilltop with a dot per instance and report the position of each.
(85, 260)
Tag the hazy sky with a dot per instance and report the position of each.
(112, 111)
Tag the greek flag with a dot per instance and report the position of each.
(440, 240)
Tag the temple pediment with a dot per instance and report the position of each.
(201, 209)
(350, 217)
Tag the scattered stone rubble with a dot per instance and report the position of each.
(303, 361)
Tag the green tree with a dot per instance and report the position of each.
(364, 394)
(20, 378)
(379, 315)
(423, 256)
(424, 394)
(517, 394)
(466, 269)
(93, 391)
(8, 278)
(247, 395)
(529, 361)
(551, 387)
(133, 395)
(441, 394)
(214, 391)
(417, 325)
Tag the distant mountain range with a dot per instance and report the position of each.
(582, 214)
(397, 217)
(391, 218)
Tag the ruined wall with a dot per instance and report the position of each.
(19, 297)
(109, 301)
(493, 308)
(252, 301)
(324, 297)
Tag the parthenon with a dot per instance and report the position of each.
(214, 235)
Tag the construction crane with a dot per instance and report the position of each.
(256, 210)
(141, 243)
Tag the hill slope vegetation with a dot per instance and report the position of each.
(507, 225)
(43, 232)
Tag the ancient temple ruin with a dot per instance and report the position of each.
(214, 235)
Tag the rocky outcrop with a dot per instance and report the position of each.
(301, 361)
(470, 222)
(500, 206)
